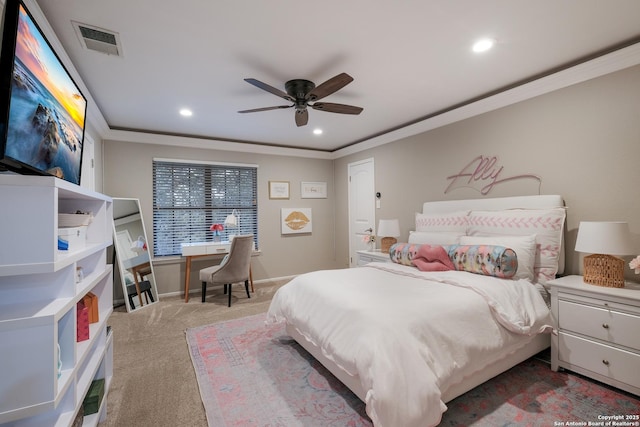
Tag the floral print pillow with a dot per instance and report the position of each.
(489, 260)
(403, 253)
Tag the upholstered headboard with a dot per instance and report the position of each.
(540, 202)
(492, 204)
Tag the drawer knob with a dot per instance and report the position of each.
(605, 325)
(605, 361)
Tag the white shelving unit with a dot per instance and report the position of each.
(38, 297)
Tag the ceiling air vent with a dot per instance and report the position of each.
(98, 39)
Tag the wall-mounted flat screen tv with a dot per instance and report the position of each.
(42, 111)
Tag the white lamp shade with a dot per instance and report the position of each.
(138, 245)
(389, 228)
(607, 238)
(231, 220)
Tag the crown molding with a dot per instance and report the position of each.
(600, 66)
(212, 144)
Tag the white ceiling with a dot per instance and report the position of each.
(410, 59)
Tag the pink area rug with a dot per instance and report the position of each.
(255, 375)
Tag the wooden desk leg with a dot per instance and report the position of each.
(251, 279)
(187, 278)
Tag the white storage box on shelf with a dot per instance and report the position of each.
(76, 237)
(74, 220)
(39, 291)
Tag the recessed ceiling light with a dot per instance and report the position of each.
(317, 131)
(483, 45)
(186, 112)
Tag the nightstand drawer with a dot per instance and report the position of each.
(365, 257)
(606, 325)
(601, 359)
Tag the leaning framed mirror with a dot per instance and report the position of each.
(132, 254)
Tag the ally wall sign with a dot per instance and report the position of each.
(483, 174)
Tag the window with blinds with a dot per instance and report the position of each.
(189, 197)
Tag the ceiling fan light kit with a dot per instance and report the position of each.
(301, 92)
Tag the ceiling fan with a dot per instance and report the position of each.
(301, 92)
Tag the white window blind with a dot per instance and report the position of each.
(189, 197)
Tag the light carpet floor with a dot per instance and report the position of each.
(154, 383)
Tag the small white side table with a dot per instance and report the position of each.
(365, 257)
(597, 331)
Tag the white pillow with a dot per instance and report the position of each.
(546, 224)
(524, 247)
(434, 237)
(451, 222)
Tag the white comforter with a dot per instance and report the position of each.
(409, 335)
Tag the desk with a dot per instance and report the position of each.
(202, 249)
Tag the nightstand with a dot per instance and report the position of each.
(365, 257)
(598, 331)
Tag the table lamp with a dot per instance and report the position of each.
(139, 246)
(388, 230)
(604, 240)
(231, 220)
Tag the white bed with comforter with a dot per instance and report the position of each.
(407, 341)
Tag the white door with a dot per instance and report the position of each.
(362, 205)
(88, 173)
(123, 245)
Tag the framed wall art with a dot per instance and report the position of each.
(279, 190)
(295, 220)
(313, 190)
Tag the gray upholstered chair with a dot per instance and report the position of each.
(233, 269)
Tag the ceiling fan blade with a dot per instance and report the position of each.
(330, 86)
(255, 110)
(336, 108)
(302, 117)
(270, 89)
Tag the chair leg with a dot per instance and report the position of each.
(229, 305)
(225, 289)
(246, 287)
(204, 290)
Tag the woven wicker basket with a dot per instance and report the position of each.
(386, 243)
(604, 270)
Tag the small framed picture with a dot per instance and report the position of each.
(296, 220)
(313, 190)
(279, 190)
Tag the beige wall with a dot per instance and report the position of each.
(582, 141)
(128, 173)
